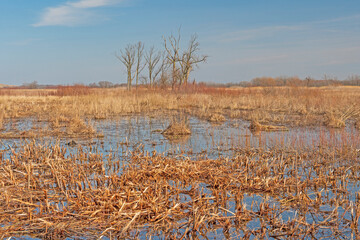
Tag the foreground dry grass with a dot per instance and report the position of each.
(331, 106)
(47, 193)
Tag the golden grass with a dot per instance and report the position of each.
(339, 120)
(334, 122)
(256, 126)
(357, 124)
(1, 119)
(291, 106)
(47, 193)
(216, 118)
(176, 130)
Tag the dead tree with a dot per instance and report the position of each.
(189, 59)
(139, 65)
(127, 57)
(172, 48)
(154, 65)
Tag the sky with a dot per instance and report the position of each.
(75, 41)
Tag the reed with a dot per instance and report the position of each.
(256, 126)
(47, 193)
(176, 130)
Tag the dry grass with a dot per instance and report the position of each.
(1, 119)
(273, 106)
(176, 130)
(357, 124)
(256, 126)
(334, 122)
(49, 194)
(339, 120)
(216, 118)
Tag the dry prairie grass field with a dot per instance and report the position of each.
(293, 106)
(196, 163)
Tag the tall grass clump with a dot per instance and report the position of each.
(1, 119)
(339, 120)
(177, 129)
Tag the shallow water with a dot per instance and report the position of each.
(143, 134)
(139, 132)
(216, 140)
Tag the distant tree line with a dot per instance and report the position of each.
(103, 84)
(353, 80)
(169, 66)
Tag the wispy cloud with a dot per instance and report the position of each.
(334, 25)
(72, 13)
(350, 18)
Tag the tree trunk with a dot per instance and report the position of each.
(129, 80)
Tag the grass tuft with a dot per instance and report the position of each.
(256, 126)
(176, 129)
(216, 118)
(334, 122)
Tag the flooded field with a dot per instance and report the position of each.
(221, 181)
(209, 140)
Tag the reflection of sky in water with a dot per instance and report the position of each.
(214, 140)
(141, 133)
(131, 133)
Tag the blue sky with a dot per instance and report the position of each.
(74, 41)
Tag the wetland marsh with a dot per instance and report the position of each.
(98, 166)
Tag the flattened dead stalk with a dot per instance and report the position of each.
(129, 224)
(47, 193)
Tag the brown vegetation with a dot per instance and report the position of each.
(175, 130)
(353, 80)
(357, 124)
(47, 193)
(256, 126)
(339, 120)
(289, 106)
(216, 118)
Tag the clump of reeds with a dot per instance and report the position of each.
(58, 121)
(176, 129)
(256, 126)
(71, 126)
(302, 110)
(357, 124)
(78, 125)
(339, 120)
(216, 118)
(1, 120)
(334, 122)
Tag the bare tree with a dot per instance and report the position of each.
(127, 57)
(154, 64)
(181, 64)
(164, 79)
(172, 48)
(190, 59)
(105, 84)
(32, 85)
(139, 56)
